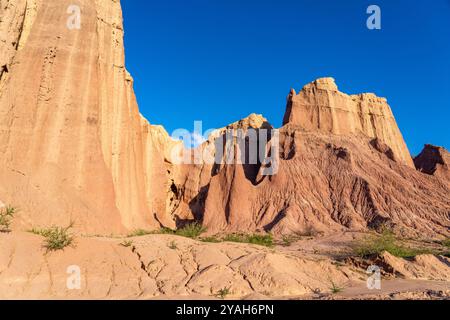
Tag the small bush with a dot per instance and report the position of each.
(6, 215)
(386, 241)
(192, 230)
(258, 239)
(446, 242)
(139, 233)
(173, 245)
(334, 288)
(56, 238)
(222, 293)
(210, 239)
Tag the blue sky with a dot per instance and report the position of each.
(220, 60)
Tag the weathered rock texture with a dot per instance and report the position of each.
(328, 182)
(73, 146)
(72, 142)
(343, 165)
(164, 266)
(320, 106)
(434, 160)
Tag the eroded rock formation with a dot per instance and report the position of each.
(434, 160)
(73, 146)
(320, 106)
(72, 142)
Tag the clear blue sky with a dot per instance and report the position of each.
(220, 60)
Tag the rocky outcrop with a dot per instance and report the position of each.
(320, 106)
(435, 161)
(325, 183)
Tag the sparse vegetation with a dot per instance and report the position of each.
(222, 293)
(288, 239)
(6, 215)
(126, 243)
(210, 239)
(334, 288)
(446, 242)
(309, 232)
(259, 239)
(192, 230)
(139, 233)
(56, 238)
(173, 245)
(386, 241)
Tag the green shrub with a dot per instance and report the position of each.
(446, 242)
(210, 239)
(192, 230)
(56, 238)
(6, 215)
(139, 233)
(334, 288)
(222, 293)
(376, 244)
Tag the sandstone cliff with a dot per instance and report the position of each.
(72, 142)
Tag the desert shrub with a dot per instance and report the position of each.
(56, 238)
(222, 293)
(446, 242)
(334, 288)
(192, 230)
(173, 245)
(258, 239)
(210, 239)
(386, 241)
(139, 233)
(6, 215)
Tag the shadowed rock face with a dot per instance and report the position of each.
(433, 160)
(73, 146)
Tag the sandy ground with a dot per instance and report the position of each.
(172, 267)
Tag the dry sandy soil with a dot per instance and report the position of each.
(167, 267)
